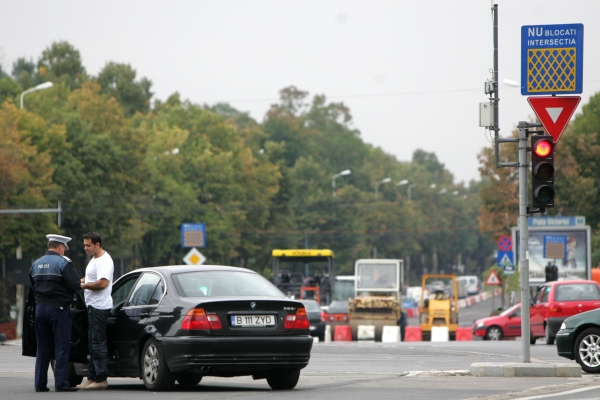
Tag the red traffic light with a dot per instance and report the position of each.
(542, 148)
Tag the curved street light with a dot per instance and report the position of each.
(41, 86)
(343, 173)
(402, 182)
(410, 187)
(381, 182)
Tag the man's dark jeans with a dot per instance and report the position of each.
(98, 366)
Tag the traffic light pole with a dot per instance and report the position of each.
(524, 241)
(524, 237)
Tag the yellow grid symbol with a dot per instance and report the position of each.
(551, 70)
(555, 250)
(193, 239)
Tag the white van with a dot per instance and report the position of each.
(472, 284)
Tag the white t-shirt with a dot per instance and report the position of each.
(99, 268)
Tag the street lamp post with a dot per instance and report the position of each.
(381, 182)
(409, 188)
(41, 86)
(343, 173)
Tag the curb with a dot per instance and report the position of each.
(518, 370)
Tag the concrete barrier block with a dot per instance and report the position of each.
(534, 370)
(440, 334)
(365, 332)
(464, 334)
(413, 334)
(342, 333)
(327, 333)
(390, 334)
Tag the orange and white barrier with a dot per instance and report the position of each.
(413, 334)
(464, 334)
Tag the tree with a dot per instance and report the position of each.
(61, 62)
(118, 81)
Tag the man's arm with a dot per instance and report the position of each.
(100, 284)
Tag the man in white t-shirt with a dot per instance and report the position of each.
(97, 286)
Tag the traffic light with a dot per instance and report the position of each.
(542, 171)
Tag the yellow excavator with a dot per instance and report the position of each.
(439, 304)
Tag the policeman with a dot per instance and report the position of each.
(54, 281)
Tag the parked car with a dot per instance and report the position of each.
(337, 313)
(558, 300)
(181, 323)
(578, 340)
(472, 284)
(316, 317)
(506, 324)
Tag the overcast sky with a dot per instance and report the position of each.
(411, 72)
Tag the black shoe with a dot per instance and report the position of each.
(44, 389)
(66, 389)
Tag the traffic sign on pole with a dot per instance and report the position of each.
(506, 261)
(493, 279)
(505, 243)
(554, 112)
(194, 257)
(551, 59)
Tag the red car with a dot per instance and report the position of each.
(558, 300)
(507, 324)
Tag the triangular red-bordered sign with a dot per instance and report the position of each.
(493, 279)
(554, 112)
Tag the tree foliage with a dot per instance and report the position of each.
(134, 171)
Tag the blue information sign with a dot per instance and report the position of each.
(193, 235)
(551, 59)
(506, 260)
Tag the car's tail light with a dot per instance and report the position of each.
(196, 319)
(323, 316)
(214, 321)
(555, 308)
(297, 321)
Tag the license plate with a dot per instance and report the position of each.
(252, 320)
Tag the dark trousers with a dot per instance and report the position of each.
(98, 366)
(53, 335)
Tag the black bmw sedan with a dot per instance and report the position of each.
(181, 323)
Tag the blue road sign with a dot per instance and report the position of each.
(505, 257)
(506, 260)
(193, 235)
(551, 59)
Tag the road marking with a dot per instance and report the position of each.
(585, 389)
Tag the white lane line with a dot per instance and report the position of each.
(541, 396)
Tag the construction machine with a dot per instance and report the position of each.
(378, 294)
(439, 308)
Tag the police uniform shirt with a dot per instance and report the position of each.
(54, 280)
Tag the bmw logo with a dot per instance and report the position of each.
(253, 305)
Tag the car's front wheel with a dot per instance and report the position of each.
(494, 333)
(549, 337)
(283, 380)
(155, 373)
(587, 350)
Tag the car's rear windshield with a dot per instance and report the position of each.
(577, 291)
(311, 305)
(223, 283)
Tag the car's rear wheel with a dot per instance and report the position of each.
(532, 338)
(155, 373)
(549, 336)
(188, 379)
(587, 350)
(283, 380)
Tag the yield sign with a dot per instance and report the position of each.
(554, 112)
(493, 279)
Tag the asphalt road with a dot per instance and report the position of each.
(351, 371)
(356, 371)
